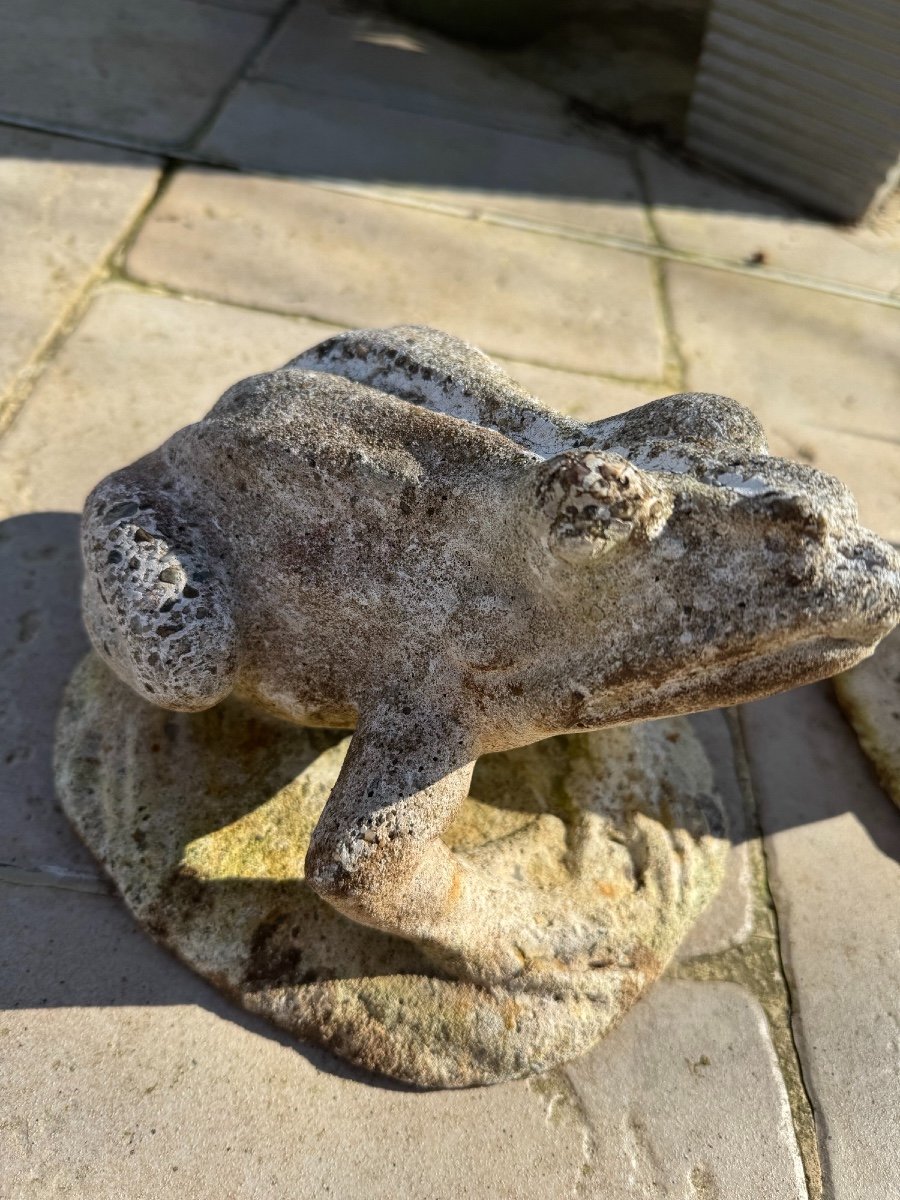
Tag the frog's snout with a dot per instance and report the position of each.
(866, 578)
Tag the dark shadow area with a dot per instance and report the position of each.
(352, 97)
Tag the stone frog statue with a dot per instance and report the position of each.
(390, 535)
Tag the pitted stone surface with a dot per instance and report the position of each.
(819, 371)
(389, 533)
(137, 368)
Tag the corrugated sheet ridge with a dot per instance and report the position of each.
(814, 64)
(771, 19)
(723, 78)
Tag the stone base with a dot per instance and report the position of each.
(870, 696)
(202, 821)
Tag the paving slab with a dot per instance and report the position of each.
(799, 358)
(138, 367)
(135, 1079)
(439, 160)
(356, 261)
(702, 214)
(41, 639)
(685, 1100)
(587, 397)
(869, 695)
(148, 72)
(327, 48)
(66, 206)
(833, 846)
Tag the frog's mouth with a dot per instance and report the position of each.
(743, 677)
(736, 681)
(764, 672)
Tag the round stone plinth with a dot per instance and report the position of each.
(202, 821)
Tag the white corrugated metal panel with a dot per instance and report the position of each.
(803, 95)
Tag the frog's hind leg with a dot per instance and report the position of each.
(444, 374)
(156, 604)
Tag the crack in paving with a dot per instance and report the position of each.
(756, 965)
(676, 369)
(13, 402)
(563, 1103)
(51, 876)
(186, 157)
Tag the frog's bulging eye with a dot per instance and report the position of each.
(594, 502)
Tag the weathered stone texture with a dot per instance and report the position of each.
(203, 821)
(728, 919)
(819, 371)
(138, 367)
(335, 542)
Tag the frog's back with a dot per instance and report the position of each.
(304, 433)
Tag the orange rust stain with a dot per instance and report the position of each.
(455, 889)
(612, 890)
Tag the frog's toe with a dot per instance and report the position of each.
(156, 605)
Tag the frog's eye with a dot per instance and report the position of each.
(592, 502)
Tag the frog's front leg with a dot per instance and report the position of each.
(378, 857)
(376, 853)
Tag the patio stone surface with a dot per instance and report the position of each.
(64, 211)
(685, 1100)
(870, 466)
(833, 845)
(587, 397)
(322, 48)
(139, 367)
(801, 358)
(437, 159)
(703, 214)
(147, 72)
(133, 1078)
(359, 261)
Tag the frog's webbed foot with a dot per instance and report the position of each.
(444, 374)
(156, 603)
(377, 855)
